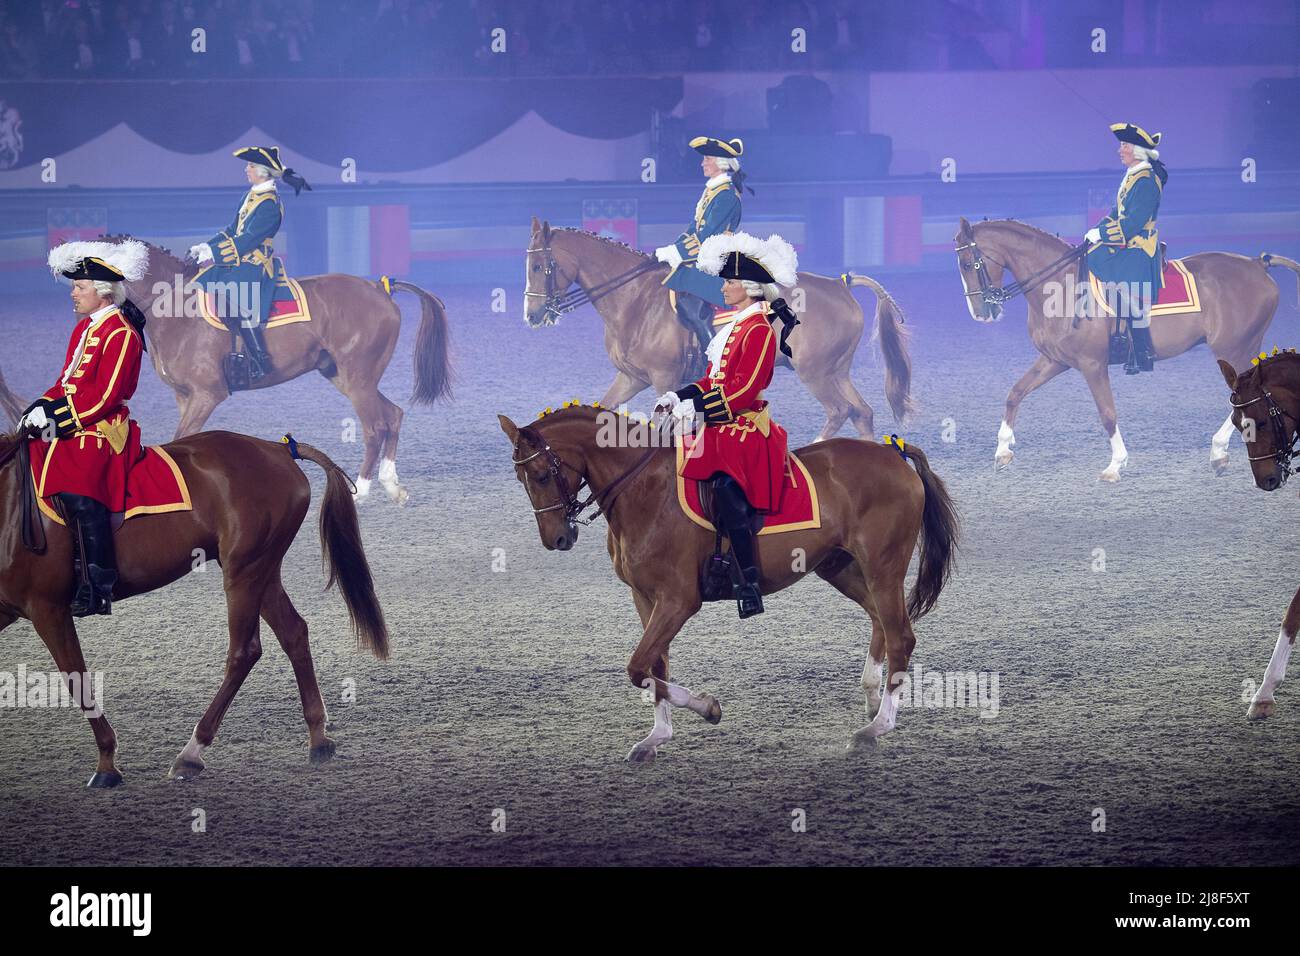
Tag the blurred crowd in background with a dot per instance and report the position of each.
(59, 39)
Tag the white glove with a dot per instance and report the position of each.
(1092, 235)
(669, 254)
(684, 411)
(201, 253)
(36, 418)
(667, 402)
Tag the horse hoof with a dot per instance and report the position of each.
(642, 754)
(714, 716)
(1003, 458)
(1260, 710)
(1110, 476)
(105, 780)
(1220, 466)
(323, 752)
(185, 769)
(860, 742)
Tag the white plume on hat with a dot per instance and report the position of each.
(775, 254)
(129, 257)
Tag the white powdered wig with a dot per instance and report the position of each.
(266, 172)
(776, 255)
(728, 164)
(129, 257)
(1141, 153)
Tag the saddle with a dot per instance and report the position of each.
(1121, 334)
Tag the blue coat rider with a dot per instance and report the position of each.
(237, 264)
(716, 213)
(1125, 246)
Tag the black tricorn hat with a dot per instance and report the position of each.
(737, 265)
(708, 146)
(93, 268)
(268, 156)
(1136, 135)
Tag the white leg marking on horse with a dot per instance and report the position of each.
(681, 697)
(883, 722)
(1219, 445)
(662, 732)
(192, 752)
(872, 675)
(1262, 704)
(1118, 457)
(1006, 438)
(388, 478)
(363, 487)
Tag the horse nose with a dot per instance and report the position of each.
(1272, 483)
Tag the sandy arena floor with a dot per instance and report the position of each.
(1120, 689)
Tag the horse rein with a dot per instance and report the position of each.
(557, 304)
(1286, 450)
(573, 508)
(999, 295)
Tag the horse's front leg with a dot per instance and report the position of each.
(623, 388)
(1219, 447)
(1262, 704)
(1098, 379)
(648, 670)
(1040, 373)
(55, 626)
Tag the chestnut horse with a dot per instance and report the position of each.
(1266, 409)
(651, 349)
(873, 509)
(1238, 299)
(349, 340)
(249, 500)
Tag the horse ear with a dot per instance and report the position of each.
(546, 228)
(510, 428)
(1229, 374)
(963, 228)
(536, 225)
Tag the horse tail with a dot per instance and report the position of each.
(432, 364)
(940, 529)
(344, 557)
(893, 338)
(10, 402)
(1269, 260)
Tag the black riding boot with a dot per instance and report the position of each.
(92, 532)
(733, 512)
(256, 346)
(1144, 353)
(697, 315)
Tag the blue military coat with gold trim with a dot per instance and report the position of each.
(1129, 250)
(718, 211)
(244, 251)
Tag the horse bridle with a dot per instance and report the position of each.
(569, 502)
(1286, 449)
(999, 295)
(557, 303)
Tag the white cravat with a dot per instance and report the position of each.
(81, 345)
(263, 187)
(719, 341)
(718, 180)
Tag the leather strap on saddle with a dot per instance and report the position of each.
(33, 529)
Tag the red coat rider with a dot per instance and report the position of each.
(741, 451)
(92, 441)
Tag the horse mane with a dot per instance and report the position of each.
(153, 248)
(1028, 227)
(616, 243)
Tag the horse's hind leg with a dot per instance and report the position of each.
(848, 580)
(243, 604)
(57, 630)
(392, 427)
(1262, 704)
(291, 631)
(369, 406)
